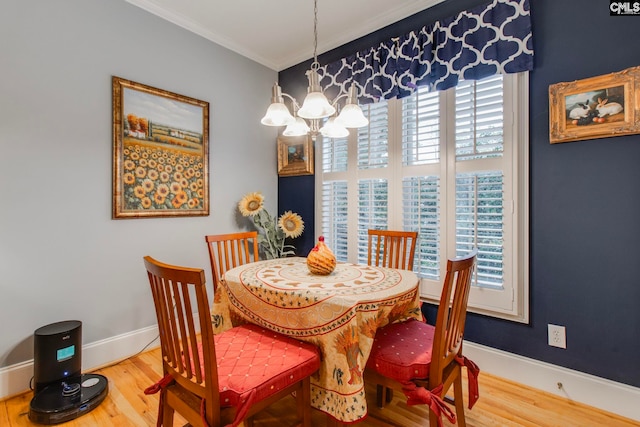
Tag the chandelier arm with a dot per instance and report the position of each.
(338, 98)
(295, 104)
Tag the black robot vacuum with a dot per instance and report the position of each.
(61, 391)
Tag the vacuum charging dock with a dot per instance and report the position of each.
(61, 392)
(64, 401)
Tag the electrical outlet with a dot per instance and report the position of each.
(557, 336)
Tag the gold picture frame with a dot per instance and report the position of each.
(295, 155)
(596, 107)
(160, 152)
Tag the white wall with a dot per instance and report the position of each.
(62, 257)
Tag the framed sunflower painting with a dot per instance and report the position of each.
(160, 152)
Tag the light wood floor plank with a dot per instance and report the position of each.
(502, 404)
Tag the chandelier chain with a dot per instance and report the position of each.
(315, 65)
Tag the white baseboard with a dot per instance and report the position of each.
(594, 391)
(577, 386)
(16, 379)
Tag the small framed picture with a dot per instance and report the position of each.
(597, 107)
(160, 152)
(295, 155)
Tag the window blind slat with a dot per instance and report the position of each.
(373, 140)
(421, 213)
(421, 128)
(334, 217)
(479, 223)
(479, 119)
(372, 211)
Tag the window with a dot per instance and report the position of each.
(451, 165)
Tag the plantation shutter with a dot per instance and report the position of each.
(373, 193)
(421, 128)
(373, 140)
(479, 223)
(421, 213)
(420, 140)
(450, 165)
(479, 119)
(471, 166)
(334, 155)
(480, 167)
(372, 211)
(335, 217)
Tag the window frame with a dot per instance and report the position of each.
(516, 250)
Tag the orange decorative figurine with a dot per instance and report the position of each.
(321, 259)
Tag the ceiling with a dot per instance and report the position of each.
(279, 33)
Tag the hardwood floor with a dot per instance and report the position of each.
(502, 403)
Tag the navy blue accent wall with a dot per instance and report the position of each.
(296, 193)
(584, 198)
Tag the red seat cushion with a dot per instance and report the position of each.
(254, 363)
(402, 351)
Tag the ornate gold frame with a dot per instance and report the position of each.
(295, 155)
(571, 119)
(160, 152)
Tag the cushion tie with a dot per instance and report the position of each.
(472, 371)
(160, 386)
(243, 409)
(417, 395)
(163, 383)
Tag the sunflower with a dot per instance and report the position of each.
(179, 199)
(273, 230)
(139, 191)
(128, 178)
(251, 204)
(140, 172)
(129, 165)
(163, 190)
(148, 185)
(159, 198)
(291, 223)
(175, 187)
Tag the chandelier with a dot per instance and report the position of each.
(315, 106)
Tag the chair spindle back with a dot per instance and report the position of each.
(392, 249)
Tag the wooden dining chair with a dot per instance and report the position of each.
(227, 251)
(224, 379)
(392, 249)
(424, 361)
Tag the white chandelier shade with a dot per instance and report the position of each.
(332, 129)
(297, 128)
(351, 115)
(315, 105)
(277, 114)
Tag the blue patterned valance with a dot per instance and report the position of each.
(486, 40)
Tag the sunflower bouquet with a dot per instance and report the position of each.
(274, 231)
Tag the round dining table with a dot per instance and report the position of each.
(339, 313)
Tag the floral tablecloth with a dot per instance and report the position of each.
(339, 313)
